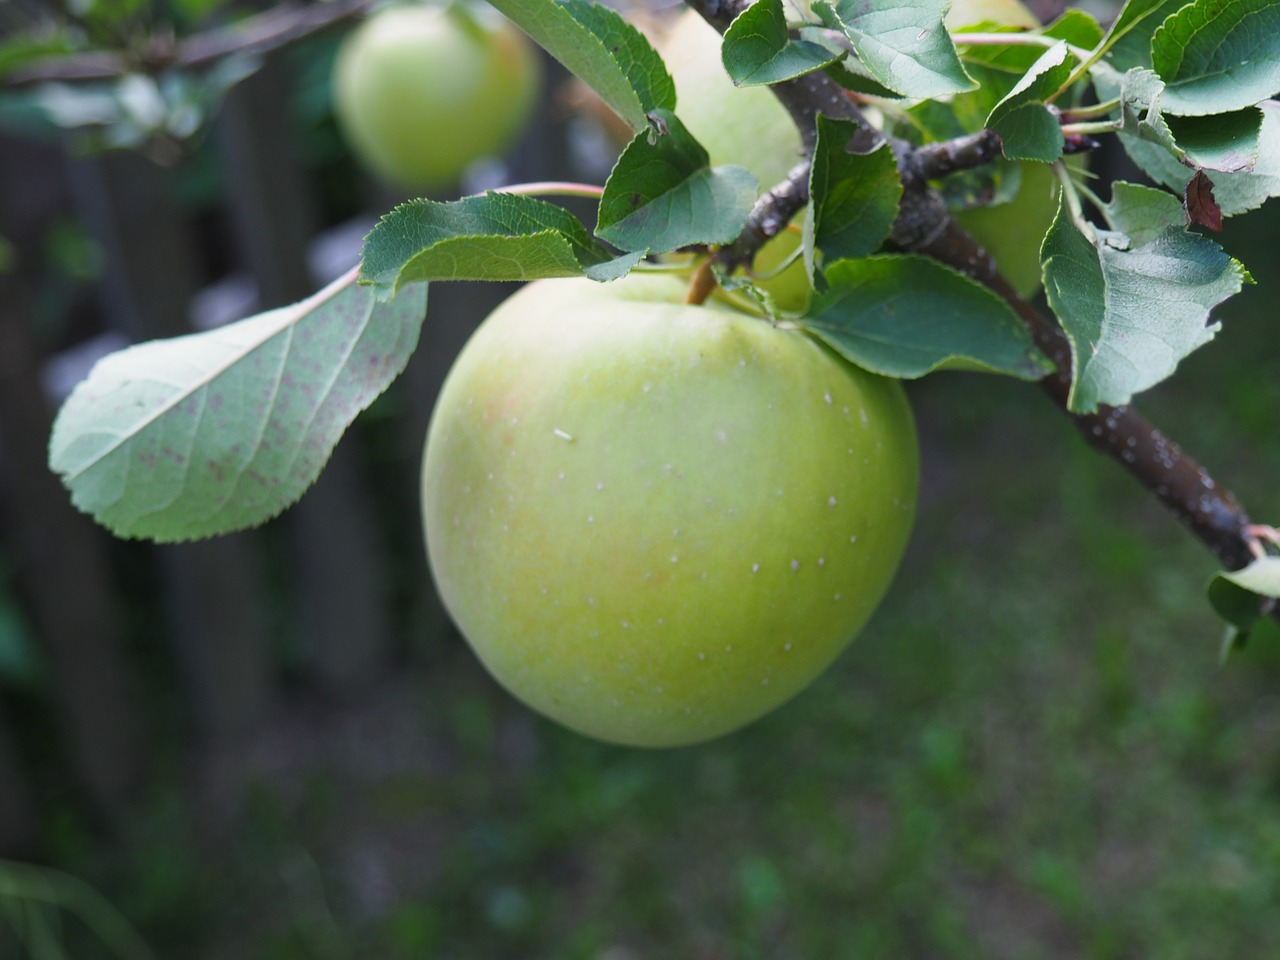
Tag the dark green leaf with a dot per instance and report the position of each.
(1027, 128)
(1218, 55)
(1225, 142)
(1129, 46)
(1235, 193)
(1239, 597)
(1131, 312)
(662, 194)
(905, 316)
(1143, 213)
(903, 45)
(492, 237)
(600, 48)
(757, 48)
(214, 432)
(853, 197)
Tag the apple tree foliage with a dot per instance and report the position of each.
(218, 431)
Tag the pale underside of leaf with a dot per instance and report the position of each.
(219, 431)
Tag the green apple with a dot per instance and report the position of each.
(742, 125)
(423, 91)
(656, 522)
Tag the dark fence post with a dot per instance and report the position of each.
(218, 613)
(63, 574)
(17, 820)
(337, 558)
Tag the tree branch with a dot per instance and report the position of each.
(262, 33)
(925, 226)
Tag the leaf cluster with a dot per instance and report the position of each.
(223, 430)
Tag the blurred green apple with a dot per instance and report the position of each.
(1011, 232)
(657, 522)
(422, 91)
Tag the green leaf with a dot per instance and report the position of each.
(600, 48)
(1236, 193)
(1226, 142)
(903, 45)
(1236, 596)
(1028, 129)
(1143, 213)
(1132, 312)
(853, 197)
(219, 431)
(757, 48)
(1077, 28)
(905, 316)
(496, 236)
(1218, 55)
(662, 194)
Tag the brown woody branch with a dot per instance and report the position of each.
(925, 226)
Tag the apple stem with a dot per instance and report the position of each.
(925, 226)
(701, 284)
(553, 188)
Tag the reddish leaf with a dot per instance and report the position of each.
(1198, 201)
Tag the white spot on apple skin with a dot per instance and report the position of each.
(567, 437)
(600, 486)
(702, 656)
(853, 539)
(491, 476)
(674, 558)
(722, 436)
(591, 518)
(831, 501)
(560, 475)
(822, 561)
(764, 682)
(826, 398)
(755, 568)
(865, 421)
(837, 596)
(787, 647)
(729, 648)
(795, 565)
(591, 601)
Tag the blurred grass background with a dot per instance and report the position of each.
(1031, 752)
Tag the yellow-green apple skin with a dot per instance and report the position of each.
(656, 522)
(422, 91)
(1011, 232)
(742, 125)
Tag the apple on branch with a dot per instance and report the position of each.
(656, 522)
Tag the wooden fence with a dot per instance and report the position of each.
(95, 606)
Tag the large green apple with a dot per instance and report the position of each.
(423, 91)
(656, 522)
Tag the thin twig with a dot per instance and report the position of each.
(259, 34)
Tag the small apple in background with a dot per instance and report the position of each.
(423, 91)
(657, 522)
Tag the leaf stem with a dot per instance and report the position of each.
(1090, 128)
(1014, 40)
(1093, 110)
(553, 188)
